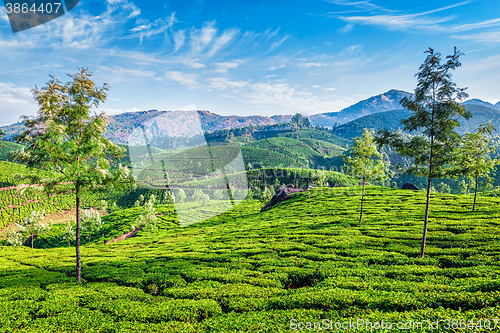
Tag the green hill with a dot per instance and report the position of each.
(303, 153)
(324, 148)
(313, 133)
(6, 147)
(390, 120)
(305, 260)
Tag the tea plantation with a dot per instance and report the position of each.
(303, 261)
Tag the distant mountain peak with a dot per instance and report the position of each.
(375, 104)
(481, 102)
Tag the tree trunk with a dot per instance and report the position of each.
(475, 195)
(362, 198)
(426, 219)
(77, 241)
(468, 186)
(32, 239)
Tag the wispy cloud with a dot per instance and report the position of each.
(221, 41)
(179, 39)
(221, 83)
(15, 101)
(120, 74)
(187, 79)
(426, 20)
(311, 64)
(346, 28)
(158, 27)
(484, 37)
(286, 96)
(363, 5)
(10, 93)
(272, 68)
(193, 63)
(275, 45)
(223, 67)
(201, 38)
(351, 50)
(395, 22)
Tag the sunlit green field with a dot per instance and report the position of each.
(306, 260)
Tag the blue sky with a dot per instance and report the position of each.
(249, 57)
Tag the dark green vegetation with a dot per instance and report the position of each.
(6, 147)
(306, 259)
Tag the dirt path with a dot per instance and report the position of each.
(125, 236)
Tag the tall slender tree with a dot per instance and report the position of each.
(473, 160)
(67, 141)
(436, 111)
(366, 162)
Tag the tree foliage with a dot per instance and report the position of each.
(300, 122)
(33, 225)
(366, 162)
(148, 216)
(91, 222)
(436, 111)
(67, 141)
(69, 233)
(473, 158)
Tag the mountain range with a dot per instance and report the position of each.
(391, 120)
(372, 112)
(380, 103)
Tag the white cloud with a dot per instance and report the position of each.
(316, 86)
(220, 42)
(275, 45)
(158, 27)
(179, 39)
(201, 38)
(189, 107)
(485, 37)
(121, 74)
(189, 80)
(418, 21)
(223, 67)
(221, 83)
(311, 64)
(3, 15)
(283, 95)
(330, 89)
(350, 50)
(10, 93)
(193, 63)
(272, 68)
(395, 22)
(346, 28)
(364, 5)
(15, 101)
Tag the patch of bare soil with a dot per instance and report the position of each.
(125, 236)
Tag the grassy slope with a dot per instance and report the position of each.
(244, 271)
(6, 147)
(318, 135)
